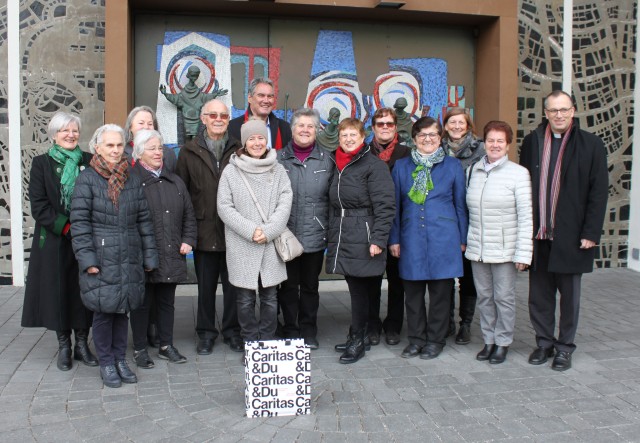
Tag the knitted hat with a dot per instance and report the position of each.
(253, 127)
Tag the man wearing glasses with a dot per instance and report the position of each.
(262, 100)
(568, 168)
(200, 166)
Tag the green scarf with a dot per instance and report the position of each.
(422, 182)
(71, 161)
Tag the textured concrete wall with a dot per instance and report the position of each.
(62, 44)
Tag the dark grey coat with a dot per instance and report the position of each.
(362, 210)
(309, 218)
(119, 242)
(174, 222)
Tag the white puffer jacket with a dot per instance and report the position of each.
(500, 214)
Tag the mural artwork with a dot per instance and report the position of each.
(333, 81)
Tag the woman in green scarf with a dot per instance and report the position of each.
(52, 296)
(428, 234)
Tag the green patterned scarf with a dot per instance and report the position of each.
(422, 182)
(70, 159)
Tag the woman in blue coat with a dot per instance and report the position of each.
(429, 230)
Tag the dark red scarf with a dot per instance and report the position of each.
(343, 158)
(116, 175)
(385, 154)
(278, 144)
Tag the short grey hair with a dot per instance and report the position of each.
(306, 112)
(217, 100)
(257, 81)
(141, 139)
(97, 136)
(132, 114)
(61, 120)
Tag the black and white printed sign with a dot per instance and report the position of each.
(278, 378)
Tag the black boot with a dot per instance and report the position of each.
(81, 351)
(64, 350)
(355, 348)
(341, 347)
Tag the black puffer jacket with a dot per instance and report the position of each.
(309, 219)
(362, 210)
(174, 222)
(119, 242)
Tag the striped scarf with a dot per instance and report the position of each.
(546, 232)
(115, 174)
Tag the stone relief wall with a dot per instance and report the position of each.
(62, 46)
(604, 79)
(62, 66)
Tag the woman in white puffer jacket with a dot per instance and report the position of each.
(499, 242)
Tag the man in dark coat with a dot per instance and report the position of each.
(200, 166)
(568, 168)
(262, 100)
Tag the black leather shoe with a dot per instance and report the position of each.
(205, 346)
(110, 377)
(411, 351)
(172, 354)
(355, 349)
(143, 360)
(81, 351)
(312, 342)
(464, 335)
(499, 355)
(562, 361)
(126, 374)
(540, 356)
(486, 352)
(341, 347)
(374, 337)
(236, 344)
(430, 351)
(392, 338)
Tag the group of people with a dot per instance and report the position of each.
(113, 229)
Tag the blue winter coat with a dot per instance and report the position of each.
(430, 234)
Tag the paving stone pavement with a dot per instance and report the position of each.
(381, 398)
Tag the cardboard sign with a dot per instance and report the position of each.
(278, 378)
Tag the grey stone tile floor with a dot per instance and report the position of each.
(382, 398)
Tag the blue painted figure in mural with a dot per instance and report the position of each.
(190, 100)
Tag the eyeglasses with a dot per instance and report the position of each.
(562, 111)
(215, 115)
(387, 124)
(423, 136)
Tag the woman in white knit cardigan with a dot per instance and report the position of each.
(252, 260)
(499, 242)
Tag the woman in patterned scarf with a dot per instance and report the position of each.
(52, 296)
(428, 233)
(113, 240)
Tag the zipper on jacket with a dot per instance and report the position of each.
(101, 254)
(318, 220)
(480, 214)
(368, 232)
(335, 261)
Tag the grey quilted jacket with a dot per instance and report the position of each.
(309, 219)
(119, 242)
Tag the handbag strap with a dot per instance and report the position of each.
(253, 196)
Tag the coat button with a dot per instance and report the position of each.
(167, 211)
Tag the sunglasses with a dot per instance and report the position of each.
(215, 115)
(383, 124)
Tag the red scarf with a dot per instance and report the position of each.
(116, 175)
(343, 158)
(278, 144)
(385, 154)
